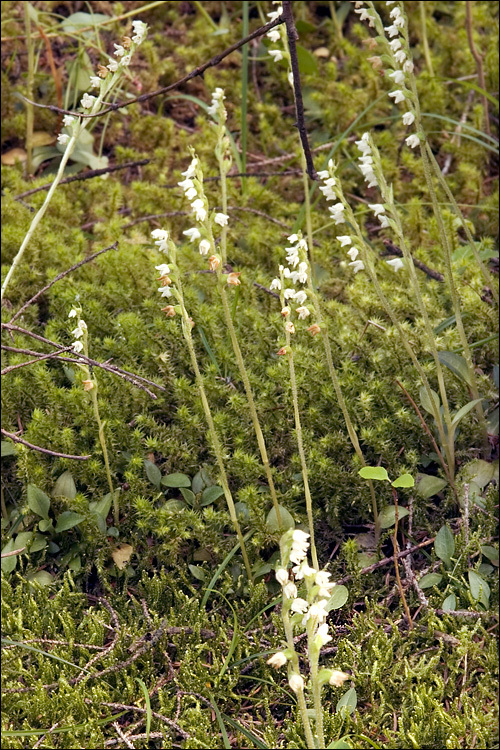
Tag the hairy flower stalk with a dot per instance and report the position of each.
(346, 216)
(76, 124)
(81, 344)
(398, 55)
(222, 152)
(296, 273)
(309, 613)
(171, 287)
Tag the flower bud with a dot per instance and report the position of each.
(169, 311)
(232, 278)
(87, 385)
(296, 682)
(277, 660)
(213, 262)
(314, 329)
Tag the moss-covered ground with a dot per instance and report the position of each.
(150, 626)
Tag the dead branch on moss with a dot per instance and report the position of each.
(213, 62)
(85, 176)
(59, 277)
(17, 439)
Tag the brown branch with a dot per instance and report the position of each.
(42, 450)
(395, 250)
(52, 355)
(388, 560)
(85, 176)
(165, 89)
(299, 104)
(169, 722)
(131, 377)
(61, 276)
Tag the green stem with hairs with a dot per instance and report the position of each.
(427, 53)
(328, 353)
(300, 445)
(29, 91)
(239, 357)
(300, 694)
(211, 426)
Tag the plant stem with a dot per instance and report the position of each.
(213, 434)
(244, 97)
(298, 430)
(239, 357)
(328, 352)
(300, 694)
(479, 63)
(29, 91)
(396, 565)
(102, 440)
(318, 707)
(427, 54)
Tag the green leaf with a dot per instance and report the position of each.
(387, 516)
(103, 506)
(491, 553)
(65, 486)
(67, 520)
(481, 472)
(338, 598)
(242, 511)
(39, 542)
(42, 577)
(176, 480)
(444, 544)
(198, 483)
(303, 27)
(46, 525)
(9, 563)
(456, 364)
(348, 702)
(426, 403)
(38, 501)
(479, 588)
(197, 572)
(8, 449)
(76, 21)
(211, 494)
(287, 521)
(374, 472)
(338, 745)
(153, 473)
(188, 495)
(465, 410)
(450, 603)
(307, 62)
(428, 485)
(429, 580)
(405, 480)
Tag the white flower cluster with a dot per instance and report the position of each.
(309, 612)
(79, 332)
(217, 104)
(88, 101)
(398, 51)
(274, 35)
(296, 273)
(192, 185)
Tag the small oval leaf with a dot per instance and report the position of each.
(176, 480)
(287, 521)
(373, 472)
(153, 473)
(338, 598)
(450, 603)
(67, 520)
(348, 702)
(444, 544)
(428, 485)
(429, 580)
(38, 501)
(211, 494)
(387, 516)
(65, 486)
(405, 480)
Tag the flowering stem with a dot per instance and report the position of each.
(298, 430)
(328, 352)
(239, 359)
(427, 54)
(300, 693)
(316, 688)
(211, 426)
(29, 91)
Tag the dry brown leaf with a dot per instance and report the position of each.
(121, 555)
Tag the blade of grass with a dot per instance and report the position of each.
(225, 738)
(221, 568)
(58, 730)
(148, 707)
(246, 732)
(208, 348)
(9, 642)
